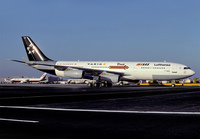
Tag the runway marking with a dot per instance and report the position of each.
(104, 111)
(17, 120)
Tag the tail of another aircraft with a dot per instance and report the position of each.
(33, 52)
(43, 76)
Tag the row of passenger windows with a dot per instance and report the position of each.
(152, 67)
(161, 67)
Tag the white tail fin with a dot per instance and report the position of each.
(43, 76)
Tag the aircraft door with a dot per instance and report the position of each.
(174, 68)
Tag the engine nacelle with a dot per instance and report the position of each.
(76, 74)
(111, 78)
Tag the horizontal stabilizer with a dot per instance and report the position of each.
(17, 61)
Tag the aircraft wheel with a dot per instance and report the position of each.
(173, 85)
(103, 84)
(96, 84)
(89, 85)
(109, 84)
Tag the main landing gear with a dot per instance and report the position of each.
(99, 84)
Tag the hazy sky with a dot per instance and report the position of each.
(100, 30)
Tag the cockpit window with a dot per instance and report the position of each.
(186, 67)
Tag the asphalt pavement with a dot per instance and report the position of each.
(79, 112)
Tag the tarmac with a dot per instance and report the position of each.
(76, 111)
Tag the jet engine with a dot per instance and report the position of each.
(110, 78)
(76, 74)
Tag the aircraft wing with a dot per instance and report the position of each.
(87, 70)
(62, 67)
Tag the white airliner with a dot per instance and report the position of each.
(103, 73)
(28, 80)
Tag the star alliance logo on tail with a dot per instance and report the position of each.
(30, 49)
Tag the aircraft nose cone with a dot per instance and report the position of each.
(192, 72)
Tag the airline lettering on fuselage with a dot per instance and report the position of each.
(142, 64)
(99, 64)
(162, 65)
(66, 64)
(120, 64)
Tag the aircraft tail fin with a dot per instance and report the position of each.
(33, 52)
(43, 76)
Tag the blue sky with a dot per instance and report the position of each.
(100, 30)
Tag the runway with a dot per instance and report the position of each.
(81, 112)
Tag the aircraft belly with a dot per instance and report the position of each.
(167, 77)
(141, 75)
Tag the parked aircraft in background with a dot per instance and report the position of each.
(103, 73)
(28, 80)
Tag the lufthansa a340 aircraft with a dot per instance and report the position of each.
(103, 73)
